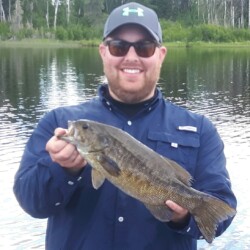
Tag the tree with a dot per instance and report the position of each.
(68, 10)
(56, 4)
(249, 14)
(36, 14)
(93, 10)
(47, 14)
(16, 22)
(2, 13)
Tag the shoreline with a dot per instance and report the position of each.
(50, 43)
(39, 43)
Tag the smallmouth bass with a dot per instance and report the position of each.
(144, 174)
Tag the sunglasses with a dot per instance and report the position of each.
(120, 47)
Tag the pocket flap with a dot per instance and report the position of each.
(187, 139)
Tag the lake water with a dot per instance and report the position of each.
(214, 82)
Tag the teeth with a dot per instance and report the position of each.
(132, 71)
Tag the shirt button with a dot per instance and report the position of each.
(121, 219)
(71, 183)
(57, 204)
(129, 123)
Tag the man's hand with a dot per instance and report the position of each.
(180, 214)
(65, 153)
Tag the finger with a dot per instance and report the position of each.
(60, 131)
(55, 145)
(65, 152)
(79, 161)
(175, 207)
(69, 156)
(74, 162)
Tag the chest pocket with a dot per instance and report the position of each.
(181, 147)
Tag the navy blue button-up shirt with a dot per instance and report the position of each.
(80, 217)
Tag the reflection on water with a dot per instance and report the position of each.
(232, 118)
(212, 82)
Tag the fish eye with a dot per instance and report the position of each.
(85, 126)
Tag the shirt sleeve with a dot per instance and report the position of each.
(210, 176)
(41, 186)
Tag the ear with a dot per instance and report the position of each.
(102, 50)
(163, 53)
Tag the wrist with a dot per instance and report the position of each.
(180, 224)
(74, 171)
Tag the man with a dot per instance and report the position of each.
(54, 181)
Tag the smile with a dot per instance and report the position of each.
(131, 71)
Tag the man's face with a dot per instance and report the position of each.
(132, 78)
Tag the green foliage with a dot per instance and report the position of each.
(180, 21)
(78, 32)
(174, 31)
(212, 33)
(4, 31)
(206, 32)
(61, 33)
(45, 33)
(241, 35)
(24, 33)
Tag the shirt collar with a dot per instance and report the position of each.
(128, 109)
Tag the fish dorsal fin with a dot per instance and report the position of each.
(160, 212)
(97, 178)
(109, 165)
(180, 173)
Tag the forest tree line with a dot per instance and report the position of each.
(78, 19)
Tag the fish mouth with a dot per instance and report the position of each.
(72, 134)
(85, 149)
(67, 138)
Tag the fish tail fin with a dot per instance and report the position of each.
(211, 212)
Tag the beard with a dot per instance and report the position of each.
(130, 97)
(132, 91)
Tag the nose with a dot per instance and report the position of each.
(131, 55)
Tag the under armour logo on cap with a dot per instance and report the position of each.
(127, 11)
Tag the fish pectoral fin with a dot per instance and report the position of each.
(109, 165)
(97, 178)
(160, 212)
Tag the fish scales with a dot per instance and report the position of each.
(145, 181)
(129, 155)
(141, 182)
(144, 174)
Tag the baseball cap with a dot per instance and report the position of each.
(134, 13)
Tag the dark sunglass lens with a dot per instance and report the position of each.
(118, 48)
(145, 49)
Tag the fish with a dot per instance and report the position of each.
(143, 174)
